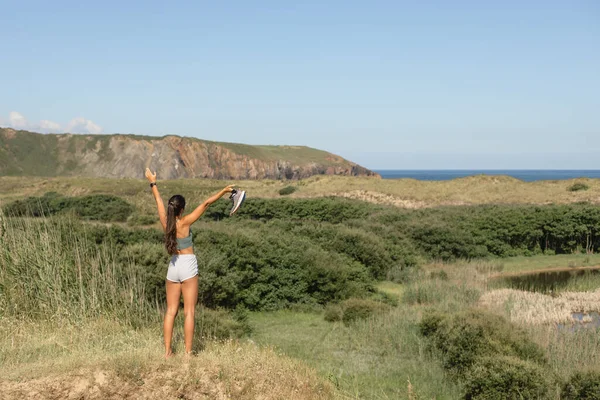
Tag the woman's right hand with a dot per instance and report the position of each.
(150, 176)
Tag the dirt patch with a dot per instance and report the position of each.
(176, 384)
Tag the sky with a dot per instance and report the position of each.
(387, 84)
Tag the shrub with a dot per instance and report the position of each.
(431, 323)
(98, 207)
(264, 269)
(354, 309)
(582, 386)
(466, 337)
(333, 313)
(101, 207)
(576, 187)
(287, 190)
(142, 219)
(502, 377)
(332, 210)
(220, 325)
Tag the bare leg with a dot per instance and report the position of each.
(173, 296)
(189, 287)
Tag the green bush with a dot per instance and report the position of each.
(582, 386)
(328, 209)
(264, 269)
(220, 325)
(333, 313)
(142, 219)
(353, 309)
(506, 377)
(466, 337)
(431, 322)
(576, 187)
(287, 190)
(98, 207)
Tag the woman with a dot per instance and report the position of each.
(182, 276)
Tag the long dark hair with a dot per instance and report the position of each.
(176, 205)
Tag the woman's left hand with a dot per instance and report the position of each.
(150, 176)
(228, 189)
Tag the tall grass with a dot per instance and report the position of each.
(48, 270)
(75, 321)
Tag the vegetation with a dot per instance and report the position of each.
(381, 302)
(99, 207)
(287, 190)
(576, 187)
(353, 309)
(403, 193)
(502, 377)
(582, 386)
(466, 338)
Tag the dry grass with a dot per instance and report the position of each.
(406, 193)
(106, 360)
(535, 308)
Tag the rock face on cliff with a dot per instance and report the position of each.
(34, 154)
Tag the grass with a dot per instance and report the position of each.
(391, 288)
(71, 320)
(539, 309)
(528, 264)
(405, 193)
(584, 283)
(74, 321)
(66, 339)
(371, 359)
(378, 357)
(107, 359)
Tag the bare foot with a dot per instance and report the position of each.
(169, 354)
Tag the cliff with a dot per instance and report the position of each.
(33, 154)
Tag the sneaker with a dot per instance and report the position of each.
(237, 198)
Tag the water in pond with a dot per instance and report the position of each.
(548, 281)
(554, 282)
(584, 320)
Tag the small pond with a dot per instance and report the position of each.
(552, 282)
(548, 281)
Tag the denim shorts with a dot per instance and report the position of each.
(182, 267)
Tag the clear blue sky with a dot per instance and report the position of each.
(388, 84)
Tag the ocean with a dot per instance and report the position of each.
(527, 175)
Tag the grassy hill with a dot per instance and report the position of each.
(126, 156)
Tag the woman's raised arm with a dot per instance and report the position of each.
(197, 213)
(162, 214)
